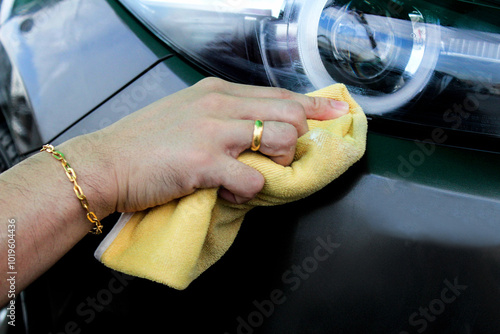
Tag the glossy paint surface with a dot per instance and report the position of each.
(406, 241)
(386, 248)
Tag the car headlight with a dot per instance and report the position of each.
(410, 61)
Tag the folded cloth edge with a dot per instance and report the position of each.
(110, 237)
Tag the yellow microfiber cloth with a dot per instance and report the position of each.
(176, 242)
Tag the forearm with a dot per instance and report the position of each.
(49, 219)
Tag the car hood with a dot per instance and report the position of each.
(71, 56)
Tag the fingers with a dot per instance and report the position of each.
(240, 183)
(314, 107)
(285, 111)
(278, 142)
(285, 115)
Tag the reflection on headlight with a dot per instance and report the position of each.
(270, 8)
(378, 55)
(399, 59)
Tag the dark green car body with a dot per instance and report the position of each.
(406, 241)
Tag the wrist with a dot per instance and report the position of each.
(94, 169)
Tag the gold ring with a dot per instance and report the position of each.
(258, 128)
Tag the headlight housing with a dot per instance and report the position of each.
(407, 61)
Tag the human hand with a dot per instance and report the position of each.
(191, 140)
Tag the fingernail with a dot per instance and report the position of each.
(340, 106)
(240, 200)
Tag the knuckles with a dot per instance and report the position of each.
(211, 84)
(289, 137)
(284, 94)
(316, 105)
(279, 142)
(216, 104)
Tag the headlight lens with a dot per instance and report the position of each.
(410, 61)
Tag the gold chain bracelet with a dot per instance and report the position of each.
(70, 173)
